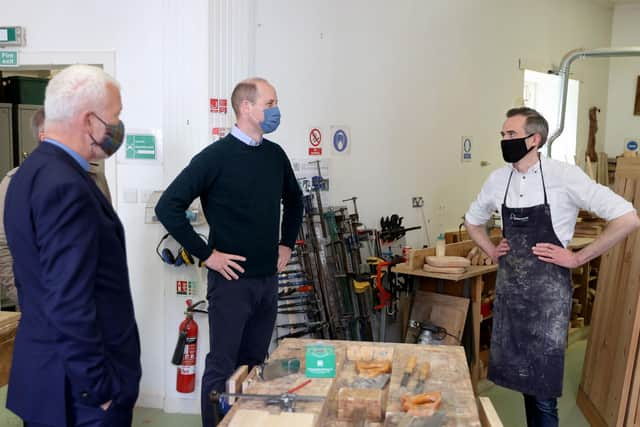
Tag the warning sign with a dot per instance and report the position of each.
(315, 151)
(315, 137)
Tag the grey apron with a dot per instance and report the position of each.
(532, 306)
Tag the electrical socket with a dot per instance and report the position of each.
(417, 202)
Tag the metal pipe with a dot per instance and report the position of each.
(565, 65)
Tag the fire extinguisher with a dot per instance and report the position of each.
(184, 355)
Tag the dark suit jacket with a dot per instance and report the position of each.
(77, 342)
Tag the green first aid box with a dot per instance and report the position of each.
(320, 361)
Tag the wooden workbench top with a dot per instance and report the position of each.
(472, 271)
(449, 375)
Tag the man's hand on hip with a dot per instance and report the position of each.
(225, 264)
(284, 255)
(555, 254)
(500, 250)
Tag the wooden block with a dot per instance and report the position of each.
(234, 383)
(356, 402)
(369, 352)
(447, 261)
(472, 253)
(445, 270)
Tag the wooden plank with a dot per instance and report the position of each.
(589, 411)
(609, 390)
(632, 416)
(628, 167)
(600, 348)
(628, 321)
(488, 415)
(473, 271)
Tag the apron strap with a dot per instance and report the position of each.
(544, 190)
(504, 202)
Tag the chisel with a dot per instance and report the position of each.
(423, 374)
(408, 370)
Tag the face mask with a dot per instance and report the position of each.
(515, 149)
(271, 120)
(112, 139)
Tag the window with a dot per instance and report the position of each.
(542, 92)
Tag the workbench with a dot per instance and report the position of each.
(473, 284)
(449, 375)
(8, 327)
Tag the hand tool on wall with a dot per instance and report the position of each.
(303, 332)
(408, 370)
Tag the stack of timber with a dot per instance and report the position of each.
(609, 393)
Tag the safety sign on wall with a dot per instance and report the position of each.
(631, 144)
(340, 140)
(467, 145)
(315, 139)
(140, 147)
(218, 105)
(9, 58)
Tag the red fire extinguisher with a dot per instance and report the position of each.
(184, 355)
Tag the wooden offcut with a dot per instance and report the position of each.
(356, 404)
(447, 261)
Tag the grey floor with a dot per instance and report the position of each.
(508, 404)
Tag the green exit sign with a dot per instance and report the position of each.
(11, 36)
(8, 58)
(141, 147)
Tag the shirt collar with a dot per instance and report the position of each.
(77, 157)
(534, 168)
(235, 131)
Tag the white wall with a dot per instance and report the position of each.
(412, 77)
(161, 62)
(623, 78)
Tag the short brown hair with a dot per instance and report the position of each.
(246, 90)
(535, 122)
(37, 122)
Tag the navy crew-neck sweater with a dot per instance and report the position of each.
(241, 188)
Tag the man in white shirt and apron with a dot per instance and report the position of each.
(539, 199)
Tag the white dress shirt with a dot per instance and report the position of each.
(569, 189)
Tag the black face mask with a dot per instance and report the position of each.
(515, 149)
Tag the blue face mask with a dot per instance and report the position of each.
(271, 120)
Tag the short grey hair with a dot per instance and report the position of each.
(535, 123)
(75, 89)
(246, 90)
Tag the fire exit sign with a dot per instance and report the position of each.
(141, 147)
(8, 58)
(11, 36)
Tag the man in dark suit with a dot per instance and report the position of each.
(77, 351)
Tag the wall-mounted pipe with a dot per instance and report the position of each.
(565, 65)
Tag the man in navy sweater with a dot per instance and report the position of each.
(241, 181)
